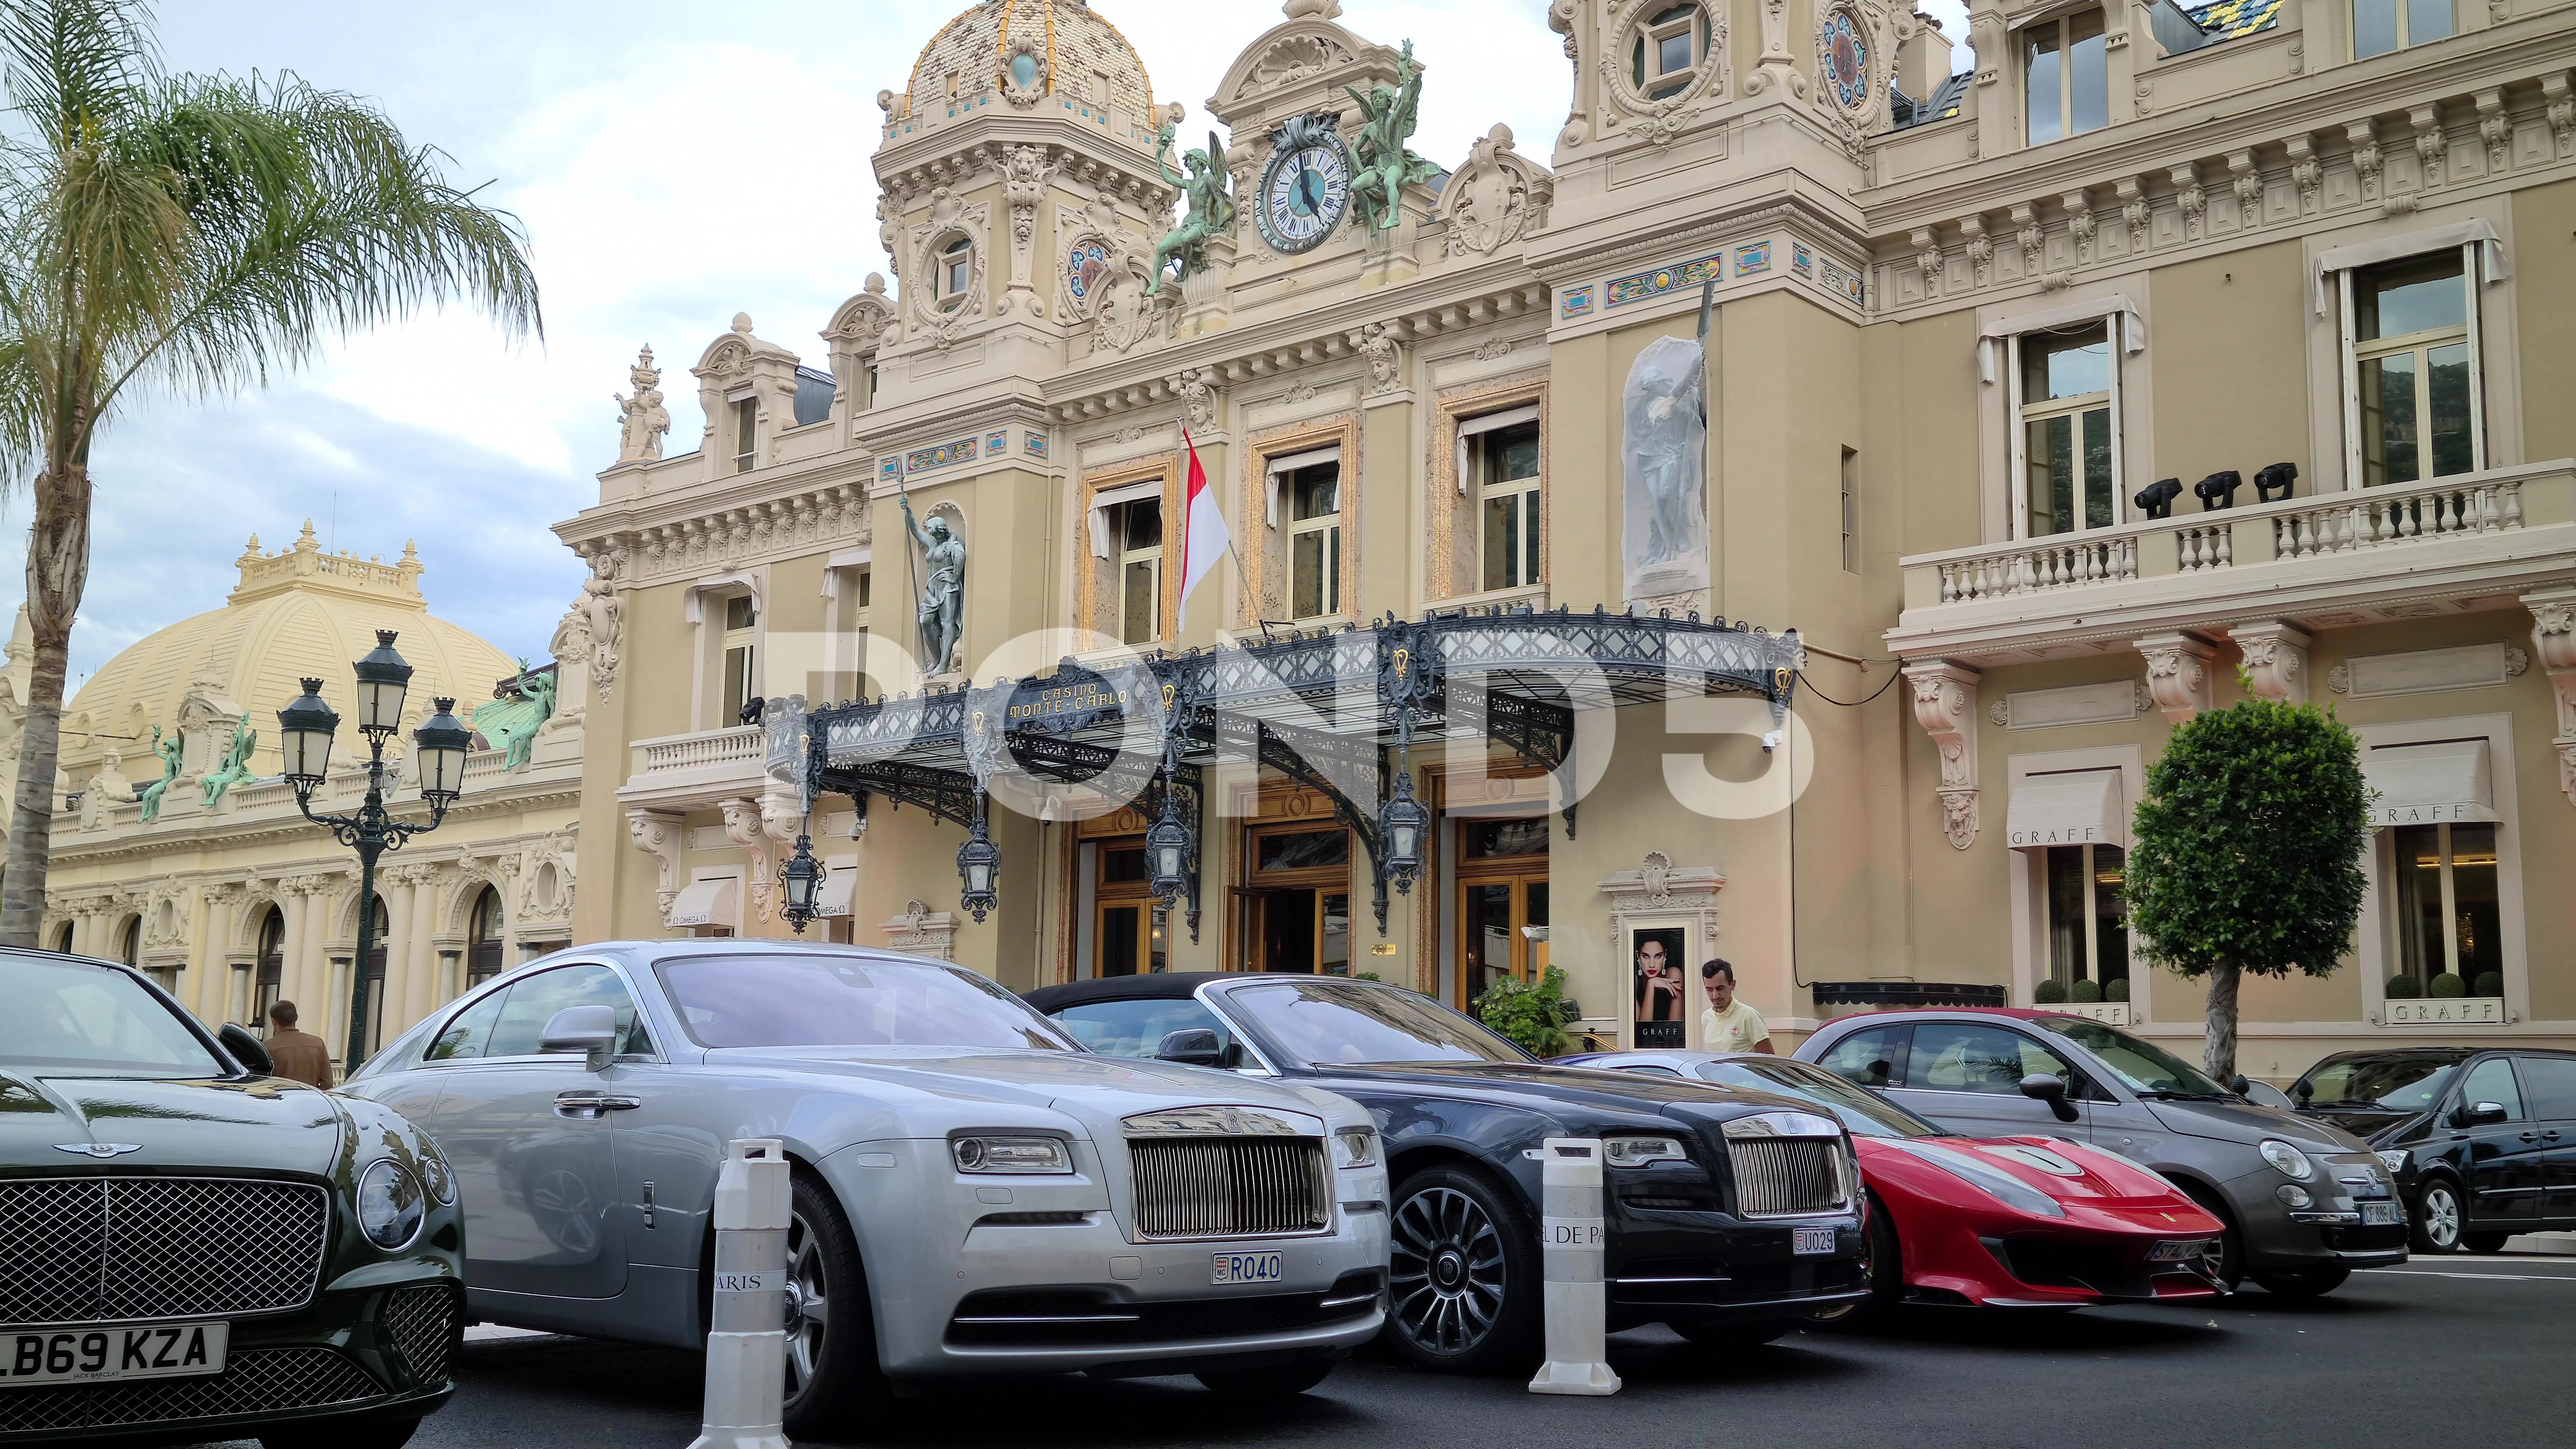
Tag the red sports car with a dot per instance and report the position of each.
(2009, 1222)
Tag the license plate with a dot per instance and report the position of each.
(2380, 1215)
(1247, 1267)
(1807, 1242)
(2178, 1250)
(95, 1355)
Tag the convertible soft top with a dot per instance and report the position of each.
(1159, 986)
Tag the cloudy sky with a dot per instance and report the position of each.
(673, 163)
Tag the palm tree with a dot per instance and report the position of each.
(183, 234)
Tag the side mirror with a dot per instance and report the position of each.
(2479, 1114)
(1192, 1046)
(2040, 1086)
(589, 1030)
(247, 1049)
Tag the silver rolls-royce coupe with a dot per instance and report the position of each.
(973, 1192)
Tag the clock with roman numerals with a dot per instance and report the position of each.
(1305, 185)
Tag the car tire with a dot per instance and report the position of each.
(1278, 1381)
(832, 1373)
(2484, 1242)
(1723, 1333)
(2440, 1218)
(356, 1431)
(1464, 1275)
(2231, 1239)
(2304, 1282)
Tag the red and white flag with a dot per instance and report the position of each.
(1204, 537)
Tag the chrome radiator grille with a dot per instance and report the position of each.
(425, 1322)
(104, 1249)
(1224, 1187)
(1780, 1177)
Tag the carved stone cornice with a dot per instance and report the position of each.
(2553, 639)
(2276, 659)
(743, 826)
(1945, 705)
(2178, 673)
(662, 835)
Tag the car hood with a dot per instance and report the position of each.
(2066, 1171)
(260, 1123)
(1094, 1090)
(2243, 1122)
(2370, 1124)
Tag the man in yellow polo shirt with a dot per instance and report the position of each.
(1728, 1025)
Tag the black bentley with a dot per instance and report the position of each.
(191, 1248)
(1731, 1215)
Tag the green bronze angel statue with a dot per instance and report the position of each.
(1386, 164)
(1211, 204)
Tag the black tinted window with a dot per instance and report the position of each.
(466, 1033)
(1868, 1058)
(1963, 1057)
(2551, 1083)
(67, 1018)
(795, 1000)
(2492, 1081)
(1137, 1028)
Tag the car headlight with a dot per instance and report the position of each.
(390, 1205)
(1998, 1184)
(2289, 1161)
(1359, 1145)
(1010, 1154)
(2395, 1162)
(1638, 1151)
(436, 1176)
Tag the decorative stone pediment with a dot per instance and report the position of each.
(1659, 885)
(1495, 197)
(1294, 69)
(922, 931)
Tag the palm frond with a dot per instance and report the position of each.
(70, 64)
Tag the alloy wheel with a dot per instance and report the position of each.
(2441, 1210)
(807, 1310)
(1448, 1271)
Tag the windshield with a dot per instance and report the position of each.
(1863, 1114)
(846, 1001)
(2140, 1066)
(2397, 1084)
(1353, 1023)
(65, 1018)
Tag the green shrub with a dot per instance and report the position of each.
(2489, 983)
(2086, 990)
(2404, 988)
(2048, 992)
(1533, 1014)
(2449, 987)
(2117, 990)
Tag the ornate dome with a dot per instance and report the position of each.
(1024, 50)
(297, 612)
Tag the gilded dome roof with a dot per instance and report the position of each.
(297, 612)
(1061, 47)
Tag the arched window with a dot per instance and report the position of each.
(956, 272)
(129, 942)
(483, 947)
(269, 978)
(63, 939)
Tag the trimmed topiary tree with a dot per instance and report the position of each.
(2049, 992)
(2405, 988)
(2449, 987)
(2086, 990)
(2118, 990)
(2247, 853)
(2489, 983)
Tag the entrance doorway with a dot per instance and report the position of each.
(1502, 903)
(1297, 904)
(1126, 938)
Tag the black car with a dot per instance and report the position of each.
(192, 1249)
(1731, 1215)
(2483, 1143)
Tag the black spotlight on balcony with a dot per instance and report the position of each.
(2274, 481)
(2218, 490)
(2156, 499)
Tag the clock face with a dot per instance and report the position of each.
(1304, 192)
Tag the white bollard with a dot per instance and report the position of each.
(1571, 1247)
(747, 1347)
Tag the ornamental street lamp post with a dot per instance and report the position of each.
(305, 731)
(800, 876)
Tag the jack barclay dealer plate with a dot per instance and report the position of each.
(30, 1356)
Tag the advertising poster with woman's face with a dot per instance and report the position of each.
(1655, 954)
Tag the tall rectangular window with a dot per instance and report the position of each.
(2088, 914)
(2066, 401)
(2066, 77)
(2450, 918)
(746, 434)
(2412, 390)
(739, 689)
(1851, 511)
(1314, 540)
(1137, 527)
(1504, 462)
(2380, 26)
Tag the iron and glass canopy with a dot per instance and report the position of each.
(1336, 710)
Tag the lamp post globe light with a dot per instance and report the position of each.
(305, 730)
(1167, 853)
(1401, 823)
(800, 880)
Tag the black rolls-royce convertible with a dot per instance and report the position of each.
(1731, 1215)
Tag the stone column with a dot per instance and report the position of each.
(425, 990)
(206, 958)
(399, 888)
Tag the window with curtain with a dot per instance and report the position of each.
(1136, 529)
(2088, 914)
(2066, 77)
(2411, 345)
(2450, 918)
(1314, 540)
(2380, 26)
(746, 434)
(741, 617)
(1505, 464)
(2067, 429)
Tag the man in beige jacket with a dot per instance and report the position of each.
(299, 1055)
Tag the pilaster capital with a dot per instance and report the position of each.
(2178, 673)
(2276, 659)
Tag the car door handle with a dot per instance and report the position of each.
(2531, 1137)
(591, 1104)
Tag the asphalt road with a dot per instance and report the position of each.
(2463, 1350)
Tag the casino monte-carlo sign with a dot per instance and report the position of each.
(2451, 1011)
